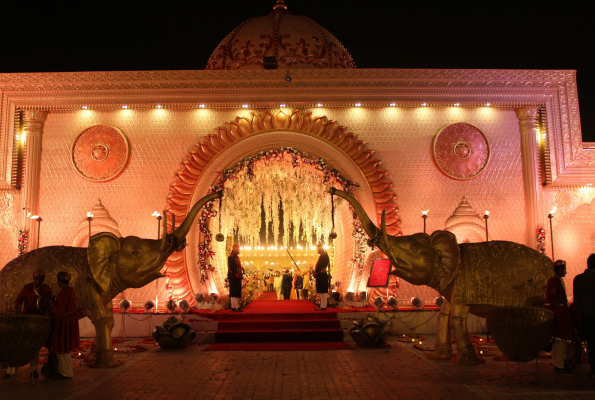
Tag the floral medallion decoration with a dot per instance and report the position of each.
(461, 151)
(23, 242)
(100, 153)
(541, 240)
(277, 177)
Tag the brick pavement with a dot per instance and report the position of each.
(398, 372)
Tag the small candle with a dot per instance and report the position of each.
(487, 212)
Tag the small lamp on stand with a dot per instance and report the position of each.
(89, 218)
(486, 216)
(424, 215)
(159, 218)
(551, 216)
(38, 218)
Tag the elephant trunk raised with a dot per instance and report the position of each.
(473, 277)
(100, 272)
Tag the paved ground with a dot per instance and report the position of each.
(398, 372)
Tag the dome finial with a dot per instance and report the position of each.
(279, 7)
(280, 4)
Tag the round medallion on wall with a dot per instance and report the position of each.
(461, 151)
(100, 153)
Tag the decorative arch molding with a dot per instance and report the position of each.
(320, 127)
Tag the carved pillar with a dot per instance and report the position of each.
(33, 129)
(529, 122)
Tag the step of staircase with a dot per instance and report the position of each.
(277, 325)
(301, 335)
(279, 316)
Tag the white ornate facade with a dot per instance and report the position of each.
(529, 118)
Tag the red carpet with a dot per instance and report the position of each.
(279, 324)
(314, 346)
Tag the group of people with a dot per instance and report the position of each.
(36, 299)
(282, 283)
(575, 323)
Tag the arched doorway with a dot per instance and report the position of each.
(251, 134)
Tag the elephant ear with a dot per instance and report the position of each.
(446, 243)
(101, 254)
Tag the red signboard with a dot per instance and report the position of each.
(379, 273)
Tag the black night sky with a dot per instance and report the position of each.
(134, 35)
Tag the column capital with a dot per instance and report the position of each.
(34, 121)
(528, 117)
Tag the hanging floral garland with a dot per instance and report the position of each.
(541, 240)
(23, 242)
(282, 176)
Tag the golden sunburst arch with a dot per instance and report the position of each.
(242, 127)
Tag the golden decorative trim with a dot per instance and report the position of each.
(182, 189)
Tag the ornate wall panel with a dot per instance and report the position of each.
(158, 139)
(8, 228)
(574, 231)
(403, 137)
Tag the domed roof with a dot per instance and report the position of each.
(296, 42)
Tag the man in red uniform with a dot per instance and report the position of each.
(34, 299)
(65, 325)
(556, 301)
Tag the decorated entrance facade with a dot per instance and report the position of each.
(310, 142)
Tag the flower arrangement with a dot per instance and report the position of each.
(301, 191)
(23, 242)
(541, 240)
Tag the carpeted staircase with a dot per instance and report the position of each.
(271, 324)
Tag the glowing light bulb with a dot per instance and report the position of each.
(244, 105)
(201, 106)
(457, 104)
(488, 104)
(319, 105)
(424, 104)
(159, 106)
(124, 106)
(392, 104)
(84, 108)
(487, 212)
(358, 104)
(425, 212)
(89, 215)
(283, 105)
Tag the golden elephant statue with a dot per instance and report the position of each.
(473, 277)
(99, 273)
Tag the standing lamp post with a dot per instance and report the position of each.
(551, 216)
(486, 216)
(159, 218)
(38, 218)
(89, 218)
(424, 215)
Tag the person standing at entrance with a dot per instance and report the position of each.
(584, 302)
(556, 301)
(35, 299)
(299, 284)
(272, 282)
(234, 275)
(278, 285)
(65, 326)
(287, 284)
(321, 273)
